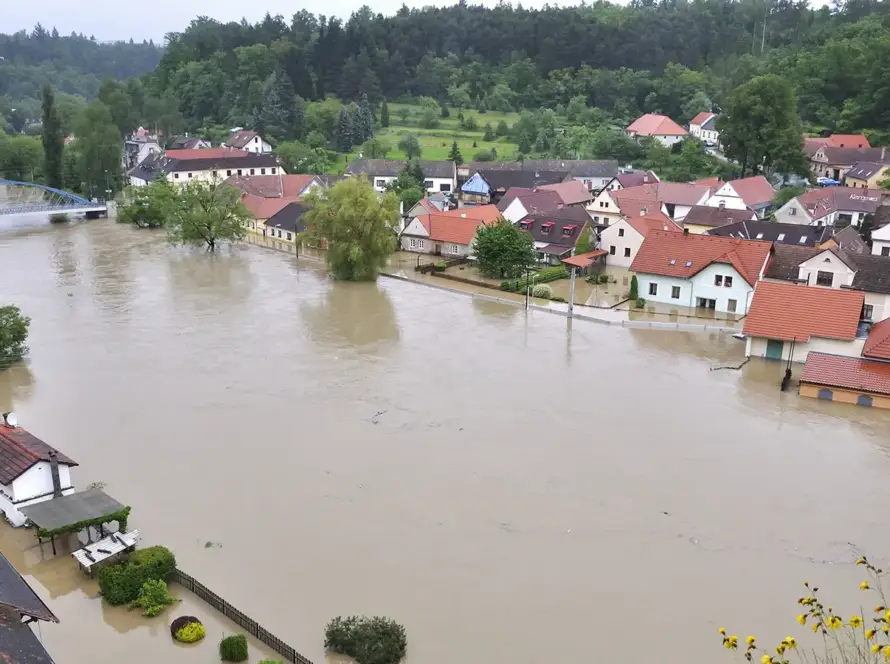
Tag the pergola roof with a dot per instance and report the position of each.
(71, 509)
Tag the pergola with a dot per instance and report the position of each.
(75, 512)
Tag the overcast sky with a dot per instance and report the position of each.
(117, 19)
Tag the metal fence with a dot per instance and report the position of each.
(238, 617)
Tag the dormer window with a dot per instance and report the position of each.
(568, 231)
(547, 227)
(524, 225)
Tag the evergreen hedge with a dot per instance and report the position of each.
(233, 648)
(367, 640)
(551, 273)
(120, 583)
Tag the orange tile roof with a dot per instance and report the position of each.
(652, 124)
(851, 373)
(714, 183)
(684, 255)
(878, 343)
(570, 192)
(792, 311)
(654, 221)
(701, 118)
(265, 208)
(678, 193)
(848, 141)
(753, 190)
(270, 186)
(458, 226)
(585, 259)
(207, 153)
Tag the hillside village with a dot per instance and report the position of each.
(810, 278)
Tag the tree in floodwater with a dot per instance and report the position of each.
(147, 207)
(13, 333)
(358, 228)
(206, 213)
(503, 251)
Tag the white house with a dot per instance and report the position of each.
(660, 127)
(675, 199)
(208, 165)
(450, 233)
(137, 150)
(28, 472)
(830, 206)
(244, 139)
(881, 241)
(700, 271)
(623, 238)
(789, 321)
(752, 193)
(439, 176)
(519, 202)
(704, 127)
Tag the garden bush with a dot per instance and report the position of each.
(187, 629)
(640, 303)
(233, 648)
(542, 290)
(543, 276)
(153, 598)
(120, 583)
(180, 622)
(441, 267)
(368, 640)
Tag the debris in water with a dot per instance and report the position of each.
(730, 366)
(666, 513)
(209, 545)
(376, 415)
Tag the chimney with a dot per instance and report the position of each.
(685, 231)
(54, 469)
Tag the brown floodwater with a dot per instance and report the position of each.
(506, 486)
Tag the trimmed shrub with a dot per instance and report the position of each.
(640, 303)
(180, 622)
(191, 633)
(552, 273)
(233, 648)
(634, 288)
(441, 267)
(120, 583)
(153, 598)
(542, 290)
(368, 640)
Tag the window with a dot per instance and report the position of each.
(412, 243)
(279, 233)
(421, 244)
(380, 184)
(257, 140)
(731, 306)
(252, 171)
(627, 252)
(612, 250)
(427, 184)
(229, 172)
(546, 228)
(273, 170)
(620, 232)
(214, 174)
(653, 288)
(445, 187)
(455, 249)
(176, 176)
(606, 220)
(675, 292)
(262, 171)
(190, 176)
(567, 231)
(826, 395)
(759, 236)
(727, 282)
(885, 251)
(239, 171)
(864, 400)
(824, 278)
(596, 219)
(718, 280)
(868, 311)
(792, 211)
(803, 238)
(288, 236)
(781, 237)
(523, 225)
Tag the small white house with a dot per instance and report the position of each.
(449, 233)
(704, 127)
(660, 127)
(28, 472)
(439, 176)
(752, 193)
(881, 241)
(244, 139)
(700, 271)
(623, 238)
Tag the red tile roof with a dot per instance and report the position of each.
(677, 193)
(19, 450)
(207, 153)
(585, 259)
(264, 208)
(654, 221)
(848, 141)
(714, 183)
(850, 373)
(458, 226)
(685, 255)
(701, 118)
(877, 345)
(652, 124)
(570, 192)
(754, 190)
(791, 311)
(270, 186)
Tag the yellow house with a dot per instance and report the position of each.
(261, 210)
(866, 174)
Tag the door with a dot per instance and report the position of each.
(774, 349)
(438, 250)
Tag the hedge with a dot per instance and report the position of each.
(551, 273)
(233, 648)
(367, 640)
(120, 583)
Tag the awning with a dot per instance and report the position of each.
(71, 509)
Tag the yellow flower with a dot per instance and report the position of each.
(876, 648)
(722, 631)
(885, 651)
(815, 627)
(869, 634)
(855, 622)
(860, 561)
(834, 622)
(780, 648)
(790, 642)
(802, 619)
(750, 640)
(887, 616)
(864, 585)
(885, 628)
(766, 659)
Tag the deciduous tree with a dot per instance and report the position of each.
(410, 146)
(206, 214)
(503, 251)
(13, 334)
(358, 227)
(149, 206)
(99, 145)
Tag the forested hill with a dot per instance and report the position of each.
(510, 58)
(74, 64)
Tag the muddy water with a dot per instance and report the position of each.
(525, 493)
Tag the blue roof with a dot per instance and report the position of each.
(476, 185)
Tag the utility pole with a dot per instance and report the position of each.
(527, 286)
(571, 290)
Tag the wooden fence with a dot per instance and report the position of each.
(236, 616)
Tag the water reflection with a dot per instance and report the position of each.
(351, 314)
(16, 386)
(497, 312)
(716, 347)
(214, 277)
(66, 265)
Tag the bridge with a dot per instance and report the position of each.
(21, 198)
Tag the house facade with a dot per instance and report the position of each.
(557, 233)
(831, 206)
(834, 162)
(880, 239)
(660, 127)
(450, 233)
(30, 472)
(520, 202)
(700, 271)
(622, 239)
(704, 127)
(490, 186)
(866, 175)
(439, 176)
(206, 165)
(752, 193)
(251, 141)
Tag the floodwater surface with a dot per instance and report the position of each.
(509, 488)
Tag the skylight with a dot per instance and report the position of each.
(673, 261)
(803, 239)
(688, 263)
(781, 237)
(760, 236)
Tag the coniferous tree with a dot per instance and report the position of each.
(53, 141)
(299, 118)
(365, 123)
(455, 154)
(384, 114)
(343, 131)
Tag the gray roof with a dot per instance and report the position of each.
(710, 124)
(18, 644)
(872, 273)
(577, 168)
(83, 506)
(17, 595)
(392, 168)
(862, 170)
(705, 215)
(771, 231)
(843, 156)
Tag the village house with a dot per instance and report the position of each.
(137, 149)
(572, 193)
(880, 239)
(799, 236)
(436, 202)
(20, 606)
(188, 143)
(489, 186)
(557, 233)
(261, 210)
(630, 177)
(700, 271)
(811, 144)
(788, 321)
(866, 175)
(831, 267)
(752, 193)
(593, 173)
(834, 162)
(244, 139)
(704, 127)
(207, 165)
(660, 127)
(675, 199)
(850, 380)
(274, 186)
(30, 471)
(286, 224)
(439, 176)
(520, 202)
(622, 239)
(449, 233)
(831, 206)
(704, 219)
